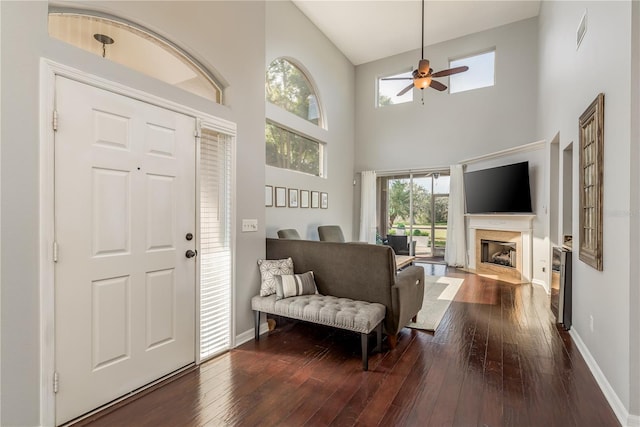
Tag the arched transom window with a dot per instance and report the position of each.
(136, 48)
(288, 145)
(289, 88)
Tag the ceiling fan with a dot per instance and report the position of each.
(423, 76)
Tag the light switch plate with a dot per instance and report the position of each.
(249, 225)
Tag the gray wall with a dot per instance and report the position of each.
(291, 35)
(449, 128)
(572, 79)
(226, 35)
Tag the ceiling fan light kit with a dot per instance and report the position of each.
(423, 76)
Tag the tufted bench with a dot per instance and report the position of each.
(342, 313)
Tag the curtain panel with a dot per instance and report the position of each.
(368, 207)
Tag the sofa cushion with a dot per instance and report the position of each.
(269, 268)
(293, 285)
(344, 313)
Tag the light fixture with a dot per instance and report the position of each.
(422, 76)
(105, 40)
(422, 82)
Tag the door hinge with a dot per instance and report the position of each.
(55, 251)
(56, 382)
(54, 121)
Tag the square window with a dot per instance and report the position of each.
(481, 72)
(389, 86)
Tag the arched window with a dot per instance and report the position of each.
(289, 88)
(288, 146)
(134, 47)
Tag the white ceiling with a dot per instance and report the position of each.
(367, 30)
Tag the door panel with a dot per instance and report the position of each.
(124, 200)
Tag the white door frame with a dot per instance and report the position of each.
(48, 72)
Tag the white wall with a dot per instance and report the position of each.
(451, 127)
(572, 79)
(634, 253)
(290, 34)
(226, 35)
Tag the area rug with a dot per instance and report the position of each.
(438, 294)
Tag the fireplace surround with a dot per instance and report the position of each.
(508, 237)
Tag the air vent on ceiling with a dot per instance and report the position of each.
(582, 30)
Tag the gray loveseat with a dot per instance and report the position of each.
(358, 271)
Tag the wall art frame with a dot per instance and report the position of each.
(281, 197)
(268, 196)
(591, 158)
(293, 197)
(324, 200)
(304, 198)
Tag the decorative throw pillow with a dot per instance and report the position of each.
(292, 285)
(270, 268)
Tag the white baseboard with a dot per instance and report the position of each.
(625, 418)
(541, 283)
(248, 335)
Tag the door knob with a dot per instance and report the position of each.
(190, 254)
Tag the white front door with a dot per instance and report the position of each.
(124, 205)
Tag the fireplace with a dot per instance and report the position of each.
(501, 246)
(500, 253)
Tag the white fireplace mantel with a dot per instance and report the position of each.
(522, 223)
(506, 222)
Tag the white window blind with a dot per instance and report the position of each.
(215, 243)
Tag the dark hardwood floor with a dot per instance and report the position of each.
(497, 359)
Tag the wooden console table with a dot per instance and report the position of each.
(403, 261)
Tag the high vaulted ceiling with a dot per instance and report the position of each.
(367, 30)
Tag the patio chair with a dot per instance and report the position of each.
(399, 244)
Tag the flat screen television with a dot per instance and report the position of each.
(503, 189)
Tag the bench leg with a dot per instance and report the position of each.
(392, 340)
(379, 338)
(257, 324)
(364, 340)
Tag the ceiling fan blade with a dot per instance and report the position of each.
(450, 71)
(397, 78)
(405, 90)
(438, 86)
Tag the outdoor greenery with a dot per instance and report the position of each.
(288, 88)
(398, 210)
(399, 204)
(289, 150)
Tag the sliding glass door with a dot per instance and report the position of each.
(414, 205)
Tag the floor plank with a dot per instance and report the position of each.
(497, 359)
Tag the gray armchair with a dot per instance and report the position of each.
(330, 233)
(289, 233)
